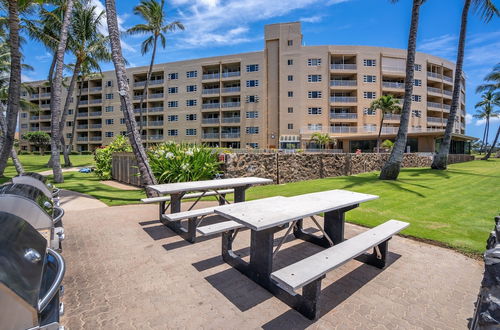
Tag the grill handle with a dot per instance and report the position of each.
(54, 288)
(60, 215)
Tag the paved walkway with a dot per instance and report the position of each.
(125, 270)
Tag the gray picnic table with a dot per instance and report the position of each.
(218, 187)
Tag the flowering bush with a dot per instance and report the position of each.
(171, 162)
(103, 156)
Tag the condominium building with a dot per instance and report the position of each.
(275, 98)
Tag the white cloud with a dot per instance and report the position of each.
(311, 19)
(445, 46)
(26, 78)
(493, 120)
(468, 118)
(44, 57)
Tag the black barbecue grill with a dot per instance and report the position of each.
(39, 181)
(30, 277)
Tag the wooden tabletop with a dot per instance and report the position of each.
(275, 212)
(180, 187)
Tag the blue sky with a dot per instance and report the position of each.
(218, 27)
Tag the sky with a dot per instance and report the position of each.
(220, 27)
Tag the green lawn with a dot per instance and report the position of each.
(454, 207)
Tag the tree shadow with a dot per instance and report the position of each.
(357, 181)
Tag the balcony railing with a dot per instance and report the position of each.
(343, 99)
(335, 115)
(434, 90)
(343, 129)
(228, 120)
(96, 89)
(434, 105)
(211, 91)
(34, 96)
(434, 120)
(82, 114)
(140, 83)
(390, 84)
(230, 135)
(155, 137)
(231, 104)
(82, 126)
(34, 129)
(343, 66)
(95, 138)
(210, 105)
(34, 117)
(83, 102)
(231, 74)
(210, 135)
(156, 95)
(447, 92)
(343, 82)
(45, 95)
(82, 138)
(95, 101)
(45, 128)
(144, 110)
(230, 90)
(157, 81)
(392, 68)
(210, 76)
(434, 75)
(155, 109)
(392, 117)
(448, 79)
(446, 107)
(367, 130)
(97, 113)
(44, 117)
(96, 126)
(45, 106)
(138, 97)
(156, 123)
(210, 120)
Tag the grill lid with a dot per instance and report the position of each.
(28, 192)
(31, 181)
(22, 255)
(35, 175)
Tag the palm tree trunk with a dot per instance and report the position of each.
(52, 66)
(487, 133)
(392, 167)
(17, 163)
(380, 132)
(13, 100)
(482, 142)
(75, 116)
(487, 156)
(55, 95)
(441, 159)
(13, 153)
(146, 85)
(123, 90)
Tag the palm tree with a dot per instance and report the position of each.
(123, 90)
(156, 26)
(321, 138)
(387, 104)
(486, 106)
(494, 80)
(487, 11)
(391, 168)
(487, 156)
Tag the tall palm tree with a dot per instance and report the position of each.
(486, 10)
(123, 90)
(392, 167)
(387, 104)
(493, 79)
(56, 94)
(488, 154)
(486, 111)
(156, 27)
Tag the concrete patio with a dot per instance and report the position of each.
(125, 270)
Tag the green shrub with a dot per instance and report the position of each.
(388, 144)
(103, 156)
(171, 162)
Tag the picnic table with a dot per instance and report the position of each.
(267, 216)
(179, 190)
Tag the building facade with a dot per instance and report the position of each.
(275, 98)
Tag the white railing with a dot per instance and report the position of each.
(228, 120)
(82, 138)
(392, 117)
(96, 126)
(95, 138)
(367, 130)
(82, 114)
(95, 101)
(434, 90)
(210, 91)
(448, 79)
(343, 99)
(138, 97)
(155, 109)
(210, 135)
(335, 115)
(434, 105)
(45, 106)
(390, 84)
(157, 82)
(155, 137)
(210, 121)
(343, 129)
(211, 76)
(45, 95)
(45, 129)
(434, 75)
(156, 123)
(97, 113)
(343, 82)
(83, 102)
(343, 66)
(34, 96)
(446, 107)
(210, 105)
(230, 135)
(434, 120)
(156, 96)
(231, 74)
(231, 104)
(140, 83)
(447, 92)
(45, 117)
(96, 89)
(34, 117)
(230, 89)
(82, 126)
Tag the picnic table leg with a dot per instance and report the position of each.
(335, 223)
(239, 194)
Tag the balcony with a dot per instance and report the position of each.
(82, 126)
(434, 90)
(434, 105)
(155, 137)
(230, 120)
(434, 75)
(343, 66)
(435, 120)
(231, 104)
(210, 135)
(343, 129)
(391, 117)
(396, 85)
(157, 81)
(230, 135)
(95, 138)
(97, 113)
(343, 82)
(82, 114)
(95, 101)
(138, 97)
(447, 92)
(155, 109)
(156, 96)
(45, 106)
(45, 117)
(34, 117)
(144, 110)
(96, 126)
(96, 89)
(82, 139)
(391, 68)
(231, 74)
(446, 107)
(343, 99)
(345, 116)
(34, 129)
(83, 102)
(156, 123)
(45, 128)
(448, 79)
(44, 95)
(210, 106)
(34, 96)
(210, 76)
(210, 121)
(140, 83)
(231, 90)
(210, 91)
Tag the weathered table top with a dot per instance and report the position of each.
(268, 213)
(180, 187)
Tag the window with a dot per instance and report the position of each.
(252, 114)
(109, 83)
(290, 77)
(122, 121)
(290, 62)
(314, 94)
(191, 88)
(24, 115)
(172, 104)
(172, 132)
(191, 74)
(314, 78)
(416, 98)
(252, 130)
(109, 134)
(370, 127)
(190, 131)
(369, 111)
(314, 111)
(68, 135)
(369, 79)
(190, 103)
(173, 118)
(173, 76)
(253, 145)
(315, 127)
(109, 96)
(417, 82)
(290, 42)
(290, 126)
(252, 68)
(314, 62)
(290, 109)
(418, 67)
(252, 99)
(24, 125)
(109, 108)
(123, 133)
(191, 116)
(369, 95)
(252, 83)
(369, 62)
(109, 121)
(290, 93)
(416, 113)
(173, 90)
(69, 123)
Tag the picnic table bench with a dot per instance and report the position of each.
(267, 216)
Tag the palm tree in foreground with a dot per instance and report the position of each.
(392, 166)
(156, 26)
(123, 90)
(488, 154)
(387, 104)
(487, 11)
(486, 106)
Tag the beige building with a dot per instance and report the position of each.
(276, 98)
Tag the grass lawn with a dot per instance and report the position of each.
(454, 207)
